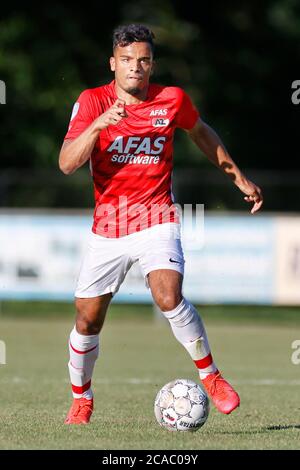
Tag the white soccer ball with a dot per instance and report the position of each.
(181, 405)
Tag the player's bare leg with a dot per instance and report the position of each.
(91, 314)
(84, 350)
(189, 330)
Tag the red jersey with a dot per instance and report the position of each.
(132, 162)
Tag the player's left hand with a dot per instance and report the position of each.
(253, 194)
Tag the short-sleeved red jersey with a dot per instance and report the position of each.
(132, 162)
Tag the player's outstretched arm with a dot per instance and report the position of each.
(211, 145)
(76, 152)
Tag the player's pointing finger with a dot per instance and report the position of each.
(120, 106)
(119, 103)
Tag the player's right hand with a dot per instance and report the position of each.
(112, 116)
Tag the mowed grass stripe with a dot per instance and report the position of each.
(134, 381)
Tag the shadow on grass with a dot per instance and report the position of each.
(261, 430)
(281, 428)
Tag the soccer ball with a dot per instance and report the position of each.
(181, 405)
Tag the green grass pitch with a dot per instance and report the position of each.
(251, 345)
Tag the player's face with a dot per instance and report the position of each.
(132, 65)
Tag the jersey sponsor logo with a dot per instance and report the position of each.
(137, 145)
(158, 112)
(139, 159)
(140, 150)
(160, 122)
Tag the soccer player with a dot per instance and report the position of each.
(125, 130)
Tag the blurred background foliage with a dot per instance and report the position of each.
(237, 61)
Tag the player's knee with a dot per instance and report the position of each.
(87, 321)
(168, 302)
(86, 326)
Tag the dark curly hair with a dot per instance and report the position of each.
(125, 35)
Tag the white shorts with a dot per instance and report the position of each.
(108, 260)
